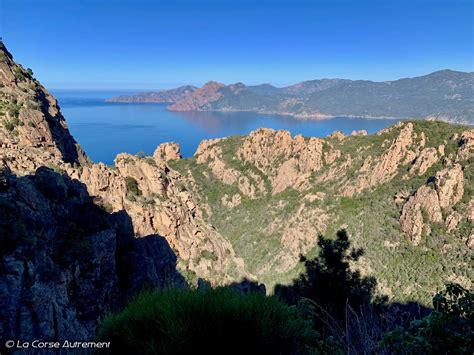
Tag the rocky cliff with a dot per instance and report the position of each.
(83, 238)
(30, 120)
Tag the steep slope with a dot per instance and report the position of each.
(405, 195)
(30, 119)
(164, 96)
(81, 238)
(153, 195)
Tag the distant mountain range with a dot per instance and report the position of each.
(444, 95)
(165, 96)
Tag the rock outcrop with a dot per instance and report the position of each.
(427, 203)
(167, 151)
(286, 161)
(30, 119)
(199, 99)
(157, 201)
(83, 238)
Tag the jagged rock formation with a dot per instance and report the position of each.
(158, 202)
(167, 151)
(30, 120)
(271, 194)
(154, 196)
(447, 192)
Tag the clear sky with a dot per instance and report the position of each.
(157, 44)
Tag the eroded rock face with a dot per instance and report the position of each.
(32, 119)
(424, 161)
(384, 169)
(425, 201)
(449, 185)
(466, 145)
(157, 201)
(167, 151)
(286, 161)
(447, 192)
(210, 154)
(152, 224)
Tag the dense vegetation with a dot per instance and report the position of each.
(328, 309)
(405, 272)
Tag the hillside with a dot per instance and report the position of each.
(444, 95)
(405, 195)
(81, 239)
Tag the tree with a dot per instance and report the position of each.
(449, 329)
(328, 280)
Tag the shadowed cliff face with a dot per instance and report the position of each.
(66, 263)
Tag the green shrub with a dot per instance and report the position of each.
(9, 126)
(140, 154)
(206, 254)
(19, 74)
(132, 186)
(214, 321)
(447, 330)
(150, 161)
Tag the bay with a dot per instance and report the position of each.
(106, 129)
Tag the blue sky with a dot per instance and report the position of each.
(107, 44)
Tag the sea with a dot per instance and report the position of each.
(106, 129)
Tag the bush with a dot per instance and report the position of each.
(214, 321)
(132, 186)
(9, 126)
(447, 330)
(140, 154)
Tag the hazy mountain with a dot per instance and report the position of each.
(446, 95)
(164, 96)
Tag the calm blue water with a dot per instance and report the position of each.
(106, 129)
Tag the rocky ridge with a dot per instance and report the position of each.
(409, 180)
